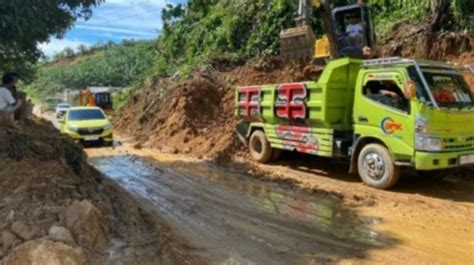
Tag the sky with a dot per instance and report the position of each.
(113, 20)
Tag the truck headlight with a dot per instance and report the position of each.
(108, 127)
(427, 143)
(73, 128)
(421, 124)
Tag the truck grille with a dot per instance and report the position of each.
(90, 131)
(458, 143)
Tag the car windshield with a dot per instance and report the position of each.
(449, 88)
(85, 114)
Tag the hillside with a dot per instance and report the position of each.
(186, 106)
(117, 65)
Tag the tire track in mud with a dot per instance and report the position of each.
(232, 219)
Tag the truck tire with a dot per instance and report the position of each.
(260, 149)
(377, 168)
(276, 154)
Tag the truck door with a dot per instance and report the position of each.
(381, 111)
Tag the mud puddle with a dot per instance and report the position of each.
(231, 219)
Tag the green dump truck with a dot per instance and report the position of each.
(380, 115)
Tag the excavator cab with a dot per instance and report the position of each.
(349, 32)
(354, 30)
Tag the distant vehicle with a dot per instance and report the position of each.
(50, 104)
(87, 124)
(61, 109)
(97, 97)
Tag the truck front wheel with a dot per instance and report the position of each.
(260, 149)
(377, 168)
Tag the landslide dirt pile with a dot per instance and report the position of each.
(196, 116)
(55, 209)
(434, 37)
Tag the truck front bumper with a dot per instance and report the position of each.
(434, 161)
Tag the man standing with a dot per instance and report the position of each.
(8, 104)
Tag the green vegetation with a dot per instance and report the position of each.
(23, 27)
(250, 28)
(387, 13)
(195, 33)
(118, 65)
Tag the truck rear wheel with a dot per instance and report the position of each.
(276, 154)
(260, 149)
(377, 168)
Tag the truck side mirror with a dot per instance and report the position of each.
(409, 89)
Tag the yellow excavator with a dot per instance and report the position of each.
(349, 32)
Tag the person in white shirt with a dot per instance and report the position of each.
(354, 29)
(8, 103)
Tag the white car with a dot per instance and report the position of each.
(61, 109)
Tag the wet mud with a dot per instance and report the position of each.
(231, 219)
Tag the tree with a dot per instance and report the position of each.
(82, 49)
(25, 23)
(69, 52)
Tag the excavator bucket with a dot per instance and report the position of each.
(297, 43)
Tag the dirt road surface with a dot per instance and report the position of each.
(300, 210)
(297, 212)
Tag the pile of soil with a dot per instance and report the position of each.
(196, 116)
(55, 209)
(434, 37)
(464, 61)
(410, 41)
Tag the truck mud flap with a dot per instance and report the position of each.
(242, 129)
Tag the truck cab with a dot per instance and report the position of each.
(421, 112)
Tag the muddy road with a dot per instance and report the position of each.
(234, 220)
(231, 217)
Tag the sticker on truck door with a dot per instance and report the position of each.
(390, 126)
(290, 101)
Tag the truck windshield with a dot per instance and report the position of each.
(448, 87)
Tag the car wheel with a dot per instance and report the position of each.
(377, 168)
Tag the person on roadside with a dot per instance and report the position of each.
(25, 111)
(8, 104)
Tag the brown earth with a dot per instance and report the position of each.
(56, 209)
(196, 116)
(223, 210)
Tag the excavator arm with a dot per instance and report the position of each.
(324, 10)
